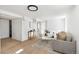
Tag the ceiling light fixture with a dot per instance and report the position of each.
(32, 7)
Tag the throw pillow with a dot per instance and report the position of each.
(61, 36)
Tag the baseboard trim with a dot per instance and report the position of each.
(13, 38)
(24, 40)
(5, 38)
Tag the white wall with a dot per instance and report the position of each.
(25, 28)
(4, 28)
(73, 25)
(17, 29)
(55, 24)
(20, 28)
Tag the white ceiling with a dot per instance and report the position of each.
(43, 10)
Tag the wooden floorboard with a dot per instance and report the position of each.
(11, 46)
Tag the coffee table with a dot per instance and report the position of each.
(47, 38)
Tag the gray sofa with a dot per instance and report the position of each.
(66, 47)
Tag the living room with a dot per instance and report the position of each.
(43, 22)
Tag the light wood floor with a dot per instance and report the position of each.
(0, 45)
(10, 46)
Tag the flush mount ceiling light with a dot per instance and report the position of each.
(32, 7)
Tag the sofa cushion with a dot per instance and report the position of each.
(64, 46)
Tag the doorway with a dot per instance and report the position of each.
(10, 28)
